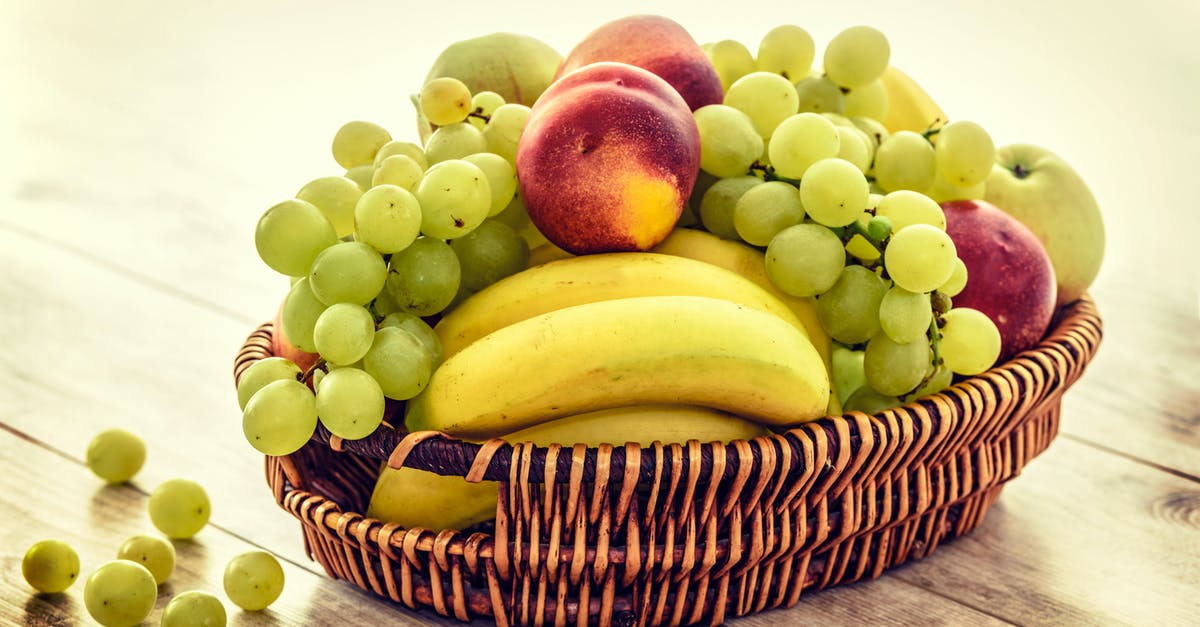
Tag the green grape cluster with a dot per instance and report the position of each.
(407, 229)
(847, 213)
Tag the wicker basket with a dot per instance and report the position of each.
(685, 533)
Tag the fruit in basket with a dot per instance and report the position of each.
(593, 278)
(253, 580)
(50, 566)
(653, 43)
(608, 159)
(280, 417)
(656, 349)
(910, 108)
(417, 498)
(1012, 279)
(283, 347)
(518, 67)
(120, 593)
(1045, 193)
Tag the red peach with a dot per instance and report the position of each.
(657, 44)
(1009, 275)
(281, 346)
(608, 159)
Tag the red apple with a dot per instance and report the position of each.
(1009, 275)
(657, 44)
(608, 159)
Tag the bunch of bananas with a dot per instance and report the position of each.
(690, 341)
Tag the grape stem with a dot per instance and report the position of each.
(768, 173)
(934, 128)
(478, 113)
(935, 337)
(306, 376)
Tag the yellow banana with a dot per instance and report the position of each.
(909, 107)
(592, 278)
(748, 262)
(417, 498)
(652, 349)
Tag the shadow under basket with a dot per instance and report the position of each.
(684, 533)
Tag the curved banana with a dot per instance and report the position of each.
(748, 262)
(909, 107)
(653, 349)
(417, 498)
(592, 278)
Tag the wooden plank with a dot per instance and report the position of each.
(45, 495)
(1082, 537)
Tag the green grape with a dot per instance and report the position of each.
(398, 147)
(291, 234)
(483, 105)
(805, 260)
(857, 56)
(869, 101)
(765, 210)
(817, 94)
(964, 153)
(854, 147)
(729, 145)
(957, 281)
(357, 142)
(970, 341)
(194, 608)
(846, 371)
(490, 253)
(347, 272)
(879, 228)
(515, 214)
(868, 401)
(344, 333)
(766, 97)
(893, 368)
(445, 101)
(399, 362)
(904, 160)
(904, 315)
(350, 403)
(834, 192)
(50, 566)
(501, 176)
(424, 277)
(317, 376)
(281, 417)
(116, 455)
(906, 207)
(400, 170)
(262, 372)
(153, 552)
(935, 382)
(120, 593)
(849, 310)
(859, 246)
(874, 129)
(800, 141)
(786, 50)
(691, 212)
(454, 141)
(731, 60)
(920, 257)
(942, 191)
(718, 203)
(335, 196)
(455, 198)
(253, 580)
(361, 175)
(301, 308)
(503, 131)
(420, 330)
(179, 507)
(387, 217)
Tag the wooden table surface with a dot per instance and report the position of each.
(140, 141)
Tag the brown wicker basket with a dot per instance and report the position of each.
(685, 533)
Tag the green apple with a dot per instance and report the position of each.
(1041, 190)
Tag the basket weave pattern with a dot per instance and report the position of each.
(685, 533)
